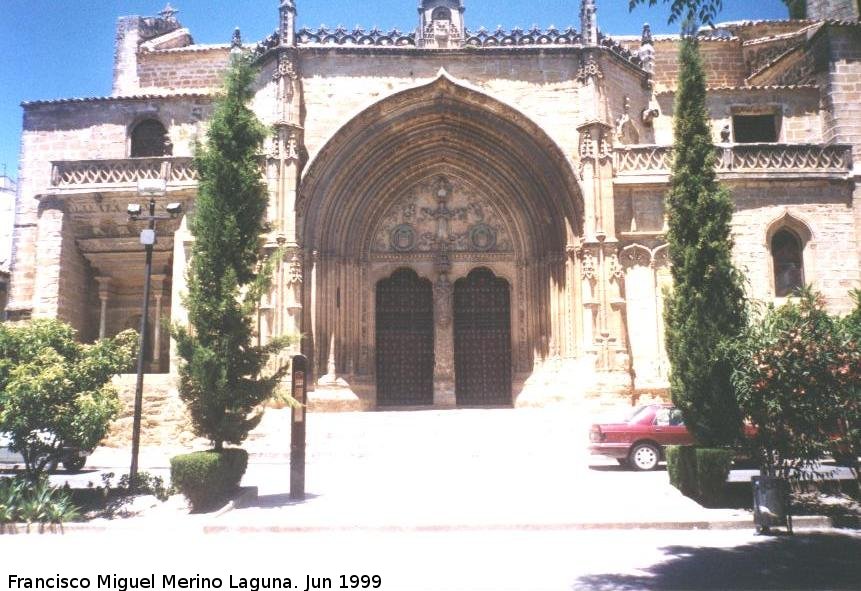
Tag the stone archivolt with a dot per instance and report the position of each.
(439, 128)
(459, 181)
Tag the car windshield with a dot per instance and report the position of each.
(638, 414)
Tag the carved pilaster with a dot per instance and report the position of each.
(443, 379)
(286, 153)
(596, 174)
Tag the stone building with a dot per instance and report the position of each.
(469, 216)
(7, 218)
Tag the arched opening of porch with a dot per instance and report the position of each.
(441, 179)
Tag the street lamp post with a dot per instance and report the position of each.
(151, 188)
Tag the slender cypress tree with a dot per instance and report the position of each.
(707, 304)
(220, 378)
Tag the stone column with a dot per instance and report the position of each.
(443, 374)
(158, 294)
(182, 244)
(104, 296)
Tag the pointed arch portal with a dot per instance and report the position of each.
(440, 179)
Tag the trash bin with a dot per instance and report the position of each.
(771, 507)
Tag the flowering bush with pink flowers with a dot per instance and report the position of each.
(797, 378)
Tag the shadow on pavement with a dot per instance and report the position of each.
(275, 501)
(807, 561)
(618, 468)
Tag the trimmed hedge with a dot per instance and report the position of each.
(682, 468)
(712, 466)
(207, 478)
(699, 472)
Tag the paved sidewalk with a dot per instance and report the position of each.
(441, 470)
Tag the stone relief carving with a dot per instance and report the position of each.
(403, 238)
(589, 265)
(614, 267)
(636, 255)
(292, 146)
(286, 68)
(589, 69)
(294, 270)
(626, 131)
(442, 215)
(442, 301)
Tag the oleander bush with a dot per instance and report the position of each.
(797, 376)
(207, 478)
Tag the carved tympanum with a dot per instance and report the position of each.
(442, 214)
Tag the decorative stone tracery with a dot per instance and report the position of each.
(441, 214)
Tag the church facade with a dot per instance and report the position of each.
(468, 217)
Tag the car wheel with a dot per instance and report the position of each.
(51, 466)
(73, 463)
(644, 456)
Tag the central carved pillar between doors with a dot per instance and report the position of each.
(443, 374)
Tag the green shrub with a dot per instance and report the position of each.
(207, 478)
(712, 468)
(797, 377)
(24, 501)
(682, 468)
(145, 484)
(49, 382)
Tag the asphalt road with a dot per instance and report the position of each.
(482, 560)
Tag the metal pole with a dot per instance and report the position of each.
(136, 425)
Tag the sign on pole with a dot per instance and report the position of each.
(297, 431)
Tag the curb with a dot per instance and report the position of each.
(811, 522)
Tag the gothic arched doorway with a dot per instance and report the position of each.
(482, 339)
(405, 351)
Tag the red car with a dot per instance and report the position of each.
(639, 441)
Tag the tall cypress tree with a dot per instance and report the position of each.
(220, 379)
(707, 304)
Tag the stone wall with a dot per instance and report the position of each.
(831, 261)
(800, 120)
(81, 130)
(76, 288)
(164, 417)
(340, 84)
(195, 68)
(842, 87)
(833, 9)
(723, 62)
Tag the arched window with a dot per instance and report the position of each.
(786, 252)
(441, 13)
(149, 138)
